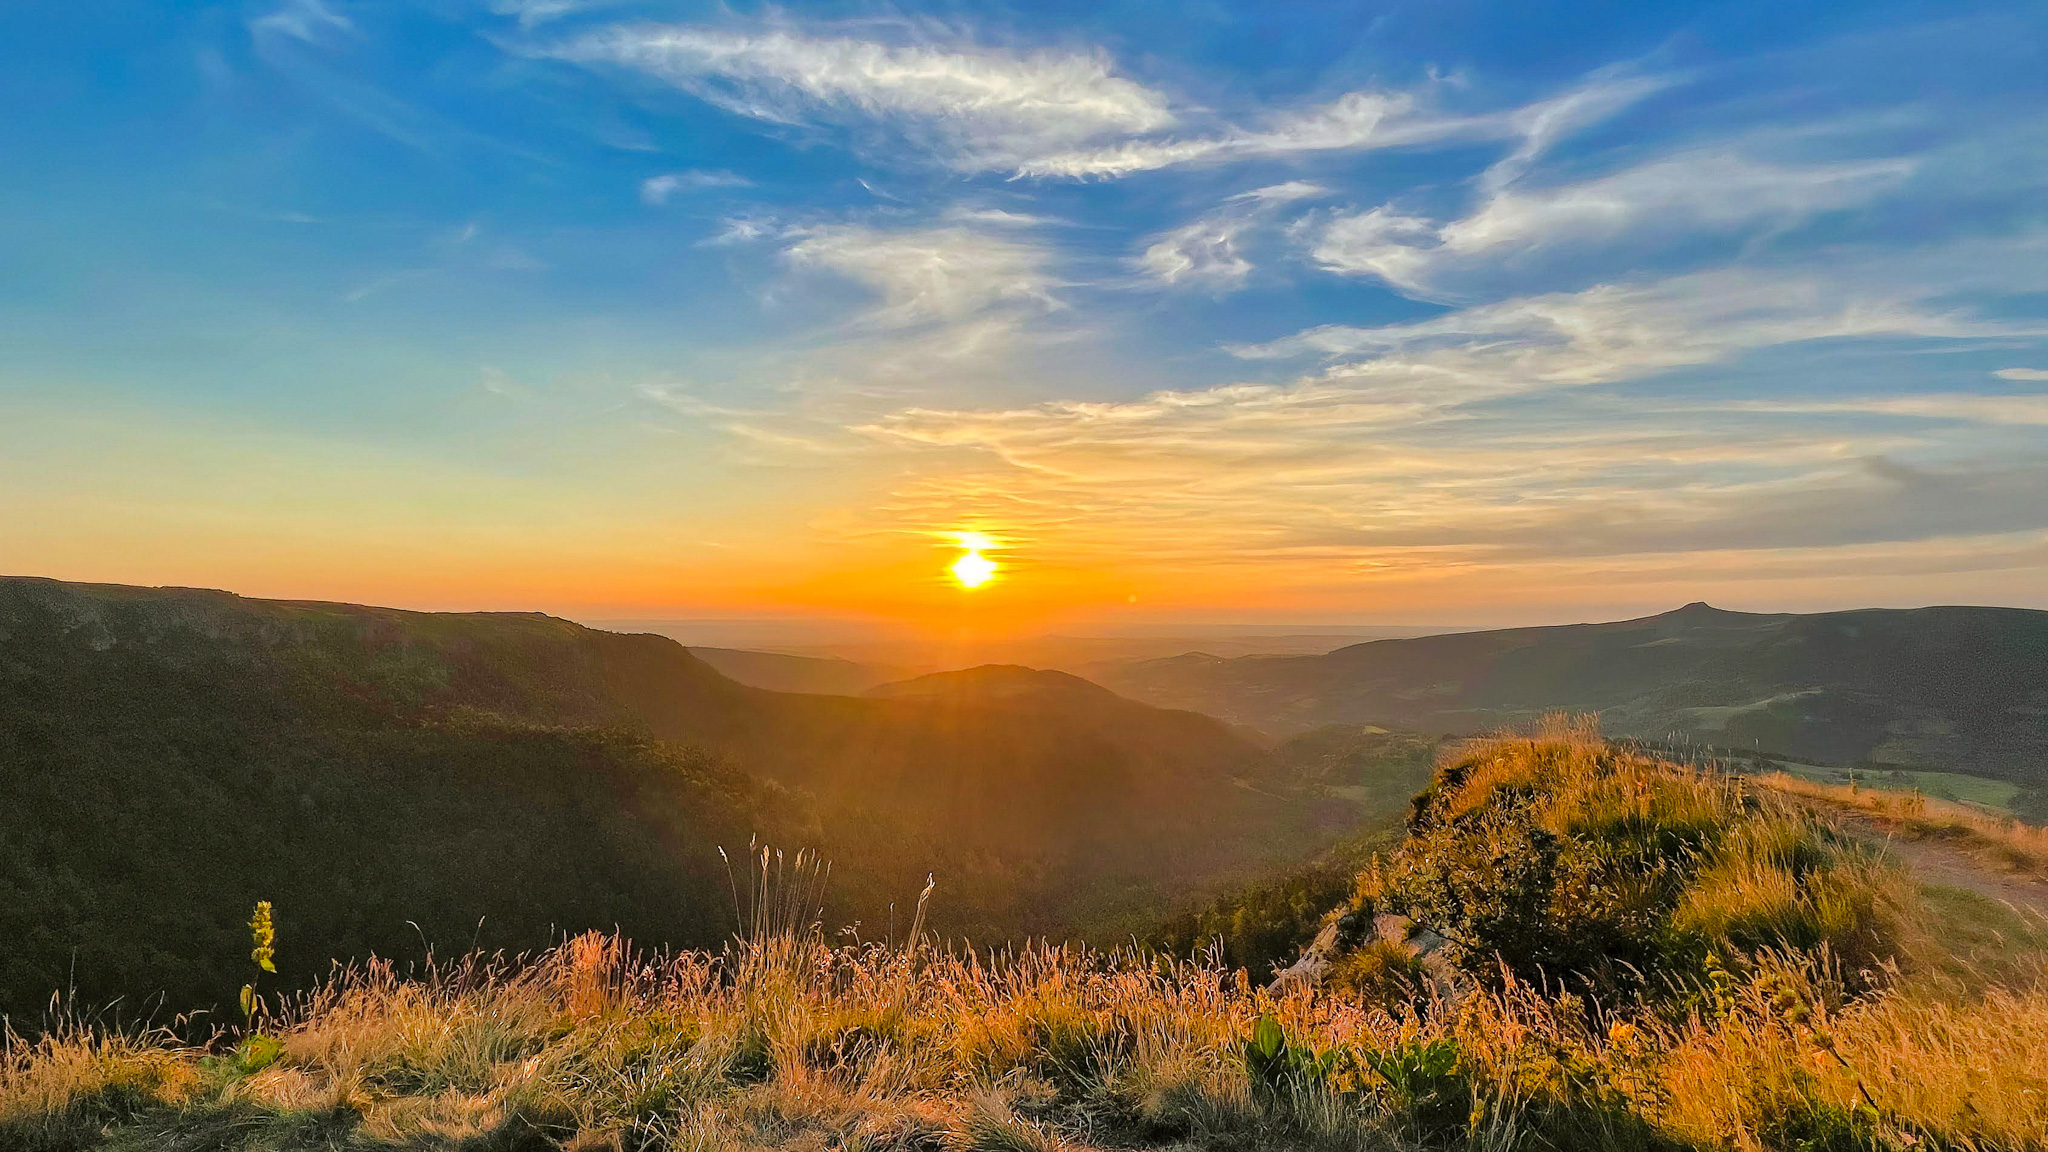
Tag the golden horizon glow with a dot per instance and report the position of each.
(973, 569)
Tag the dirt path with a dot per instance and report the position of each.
(1938, 862)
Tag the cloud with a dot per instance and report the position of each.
(1542, 124)
(1046, 113)
(997, 217)
(1665, 201)
(656, 190)
(1498, 434)
(1207, 251)
(944, 273)
(533, 13)
(1204, 252)
(979, 109)
(1353, 121)
(309, 20)
(1397, 248)
(742, 230)
(1623, 331)
(1357, 121)
(1633, 328)
(2022, 373)
(1284, 193)
(1695, 190)
(1966, 407)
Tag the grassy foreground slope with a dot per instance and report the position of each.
(389, 778)
(1960, 688)
(1786, 1003)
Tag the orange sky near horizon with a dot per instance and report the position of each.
(641, 533)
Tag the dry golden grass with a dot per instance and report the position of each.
(2010, 842)
(786, 1042)
(795, 1045)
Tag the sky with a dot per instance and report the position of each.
(1335, 312)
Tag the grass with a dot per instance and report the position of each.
(792, 1044)
(2022, 847)
(1815, 1026)
(1982, 792)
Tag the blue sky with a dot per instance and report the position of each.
(1370, 311)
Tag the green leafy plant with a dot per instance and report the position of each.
(263, 934)
(257, 1051)
(1425, 1081)
(1276, 1064)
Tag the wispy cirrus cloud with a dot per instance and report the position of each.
(1207, 251)
(309, 20)
(1620, 331)
(1358, 121)
(975, 108)
(1046, 113)
(1963, 407)
(656, 190)
(1667, 201)
(533, 13)
(940, 273)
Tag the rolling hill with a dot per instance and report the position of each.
(173, 755)
(1963, 688)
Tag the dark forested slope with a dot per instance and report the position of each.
(170, 756)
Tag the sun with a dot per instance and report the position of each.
(973, 569)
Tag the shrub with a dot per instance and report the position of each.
(1561, 857)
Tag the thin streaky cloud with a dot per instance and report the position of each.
(1958, 406)
(946, 272)
(1671, 199)
(1358, 121)
(979, 108)
(656, 190)
(309, 20)
(1208, 251)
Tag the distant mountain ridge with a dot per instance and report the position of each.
(783, 672)
(1956, 687)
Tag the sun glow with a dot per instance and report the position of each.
(973, 569)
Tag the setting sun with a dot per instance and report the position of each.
(973, 569)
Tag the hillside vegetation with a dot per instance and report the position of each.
(1690, 965)
(1959, 688)
(395, 779)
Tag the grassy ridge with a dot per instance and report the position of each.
(1811, 1024)
(1561, 857)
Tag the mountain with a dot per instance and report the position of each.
(781, 672)
(1955, 687)
(171, 756)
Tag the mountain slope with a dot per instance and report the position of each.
(781, 672)
(174, 755)
(1958, 687)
